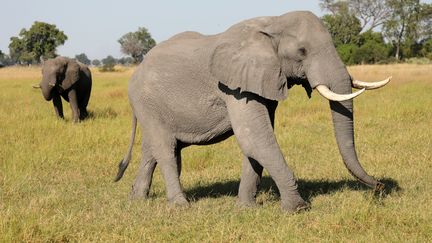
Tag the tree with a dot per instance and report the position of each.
(372, 48)
(404, 26)
(137, 44)
(334, 6)
(371, 13)
(5, 60)
(83, 58)
(40, 41)
(96, 62)
(2, 56)
(343, 27)
(108, 64)
(346, 53)
(125, 61)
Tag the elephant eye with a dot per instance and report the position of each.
(302, 51)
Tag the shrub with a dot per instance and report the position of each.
(346, 53)
(108, 64)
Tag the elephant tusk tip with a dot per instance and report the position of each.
(370, 85)
(328, 94)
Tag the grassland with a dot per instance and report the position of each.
(56, 177)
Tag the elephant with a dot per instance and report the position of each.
(195, 89)
(70, 79)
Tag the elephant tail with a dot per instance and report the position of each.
(125, 161)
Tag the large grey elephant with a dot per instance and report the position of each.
(69, 79)
(197, 89)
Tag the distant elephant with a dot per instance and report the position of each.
(197, 89)
(70, 79)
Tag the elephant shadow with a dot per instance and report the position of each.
(103, 113)
(308, 189)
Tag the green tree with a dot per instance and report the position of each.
(346, 53)
(371, 13)
(2, 57)
(40, 41)
(125, 61)
(372, 48)
(137, 44)
(404, 26)
(83, 58)
(426, 48)
(108, 64)
(96, 62)
(343, 27)
(5, 60)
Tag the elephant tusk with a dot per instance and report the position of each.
(36, 86)
(52, 85)
(330, 95)
(372, 85)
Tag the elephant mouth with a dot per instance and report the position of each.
(300, 81)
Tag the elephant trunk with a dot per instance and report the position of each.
(46, 90)
(343, 121)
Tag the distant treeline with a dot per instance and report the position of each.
(40, 42)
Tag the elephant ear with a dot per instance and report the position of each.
(71, 74)
(249, 63)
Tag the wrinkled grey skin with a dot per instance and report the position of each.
(69, 79)
(196, 89)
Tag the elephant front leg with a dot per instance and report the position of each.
(83, 113)
(73, 101)
(252, 171)
(252, 127)
(58, 106)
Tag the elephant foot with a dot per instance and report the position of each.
(246, 202)
(243, 204)
(179, 201)
(138, 194)
(295, 205)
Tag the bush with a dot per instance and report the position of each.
(346, 53)
(418, 60)
(370, 52)
(108, 64)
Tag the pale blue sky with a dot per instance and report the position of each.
(94, 26)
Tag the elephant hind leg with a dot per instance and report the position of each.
(165, 151)
(142, 184)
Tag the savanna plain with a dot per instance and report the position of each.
(56, 177)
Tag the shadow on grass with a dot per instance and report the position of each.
(308, 188)
(102, 113)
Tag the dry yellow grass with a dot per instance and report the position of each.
(56, 177)
(22, 73)
(401, 73)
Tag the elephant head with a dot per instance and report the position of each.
(268, 55)
(59, 73)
